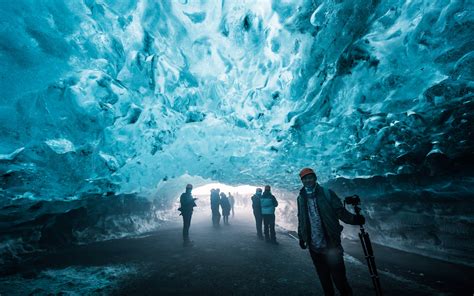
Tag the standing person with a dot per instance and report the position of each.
(215, 201)
(319, 212)
(187, 204)
(232, 202)
(225, 204)
(268, 204)
(257, 211)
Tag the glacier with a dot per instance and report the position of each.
(104, 102)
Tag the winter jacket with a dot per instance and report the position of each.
(330, 211)
(268, 203)
(225, 204)
(257, 209)
(187, 203)
(215, 201)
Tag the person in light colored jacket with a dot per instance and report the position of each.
(268, 204)
(215, 202)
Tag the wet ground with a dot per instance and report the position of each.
(225, 261)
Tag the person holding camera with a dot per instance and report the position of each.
(187, 204)
(319, 212)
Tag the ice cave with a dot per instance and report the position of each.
(109, 108)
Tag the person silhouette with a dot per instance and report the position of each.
(187, 204)
(257, 211)
(215, 202)
(225, 205)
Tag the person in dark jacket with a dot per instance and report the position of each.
(215, 202)
(257, 211)
(225, 204)
(187, 204)
(268, 204)
(319, 212)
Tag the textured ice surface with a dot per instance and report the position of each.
(429, 216)
(117, 96)
(133, 96)
(68, 281)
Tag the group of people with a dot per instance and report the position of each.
(263, 206)
(319, 231)
(219, 199)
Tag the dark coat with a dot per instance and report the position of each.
(257, 209)
(215, 201)
(225, 204)
(187, 203)
(331, 211)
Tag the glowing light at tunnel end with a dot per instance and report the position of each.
(206, 189)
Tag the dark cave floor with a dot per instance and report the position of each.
(226, 261)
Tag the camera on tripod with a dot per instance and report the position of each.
(352, 200)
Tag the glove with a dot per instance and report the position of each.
(359, 220)
(302, 244)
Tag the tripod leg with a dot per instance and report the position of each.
(371, 262)
(367, 257)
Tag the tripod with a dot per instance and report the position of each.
(367, 247)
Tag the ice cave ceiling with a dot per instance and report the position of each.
(122, 96)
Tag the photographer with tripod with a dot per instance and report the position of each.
(319, 212)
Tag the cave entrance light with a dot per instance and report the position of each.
(241, 194)
(242, 189)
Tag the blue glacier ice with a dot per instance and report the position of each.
(134, 98)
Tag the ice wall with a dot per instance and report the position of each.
(120, 96)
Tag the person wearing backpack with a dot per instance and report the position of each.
(319, 212)
(268, 204)
(187, 204)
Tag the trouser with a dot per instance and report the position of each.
(330, 268)
(216, 217)
(258, 223)
(186, 225)
(269, 226)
